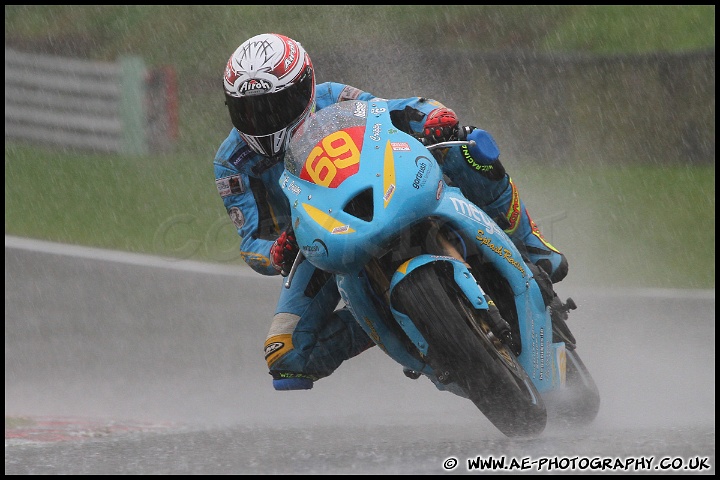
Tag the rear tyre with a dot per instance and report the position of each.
(578, 403)
(463, 349)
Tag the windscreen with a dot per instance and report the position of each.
(338, 116)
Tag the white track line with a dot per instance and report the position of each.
(126, 258)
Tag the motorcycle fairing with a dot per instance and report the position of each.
(398, 171)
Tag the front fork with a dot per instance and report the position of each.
(479, 301)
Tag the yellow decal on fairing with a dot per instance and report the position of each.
(403, 268)
(388, 174)
(326, 221)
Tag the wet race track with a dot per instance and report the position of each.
(121, 364)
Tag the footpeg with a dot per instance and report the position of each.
(569, 305)
(558, 315)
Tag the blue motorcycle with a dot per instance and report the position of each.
(430, 277)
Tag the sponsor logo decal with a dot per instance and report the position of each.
(504, 253)
(542, 353)
(237, 217)
(401, 146)
(316, 249)
(294, 188)
(242, 156)
(341, 229)
(255, 86)
(424, 167)
(471, 161)
(231, 185)
(376, 132)
(291, 57)
(349, 93)
(360, 110)
(273, 347)
(472, 211)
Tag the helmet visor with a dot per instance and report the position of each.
(269, 113)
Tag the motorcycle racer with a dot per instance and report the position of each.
(270, 90)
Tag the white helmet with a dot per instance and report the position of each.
(269, 91)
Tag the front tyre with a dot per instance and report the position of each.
(462, 348)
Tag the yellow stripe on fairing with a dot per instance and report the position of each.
(326, 221)
(388, 174)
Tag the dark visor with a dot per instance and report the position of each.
(265, 114)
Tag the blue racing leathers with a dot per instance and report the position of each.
(310, 336)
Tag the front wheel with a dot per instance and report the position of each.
(462, 348)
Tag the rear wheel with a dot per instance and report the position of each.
(462, 348)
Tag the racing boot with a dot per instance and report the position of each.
(301, 350)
